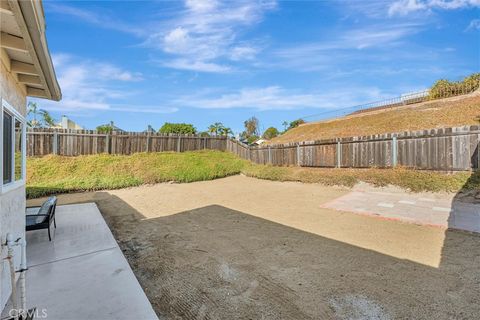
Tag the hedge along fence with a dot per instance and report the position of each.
(448, 149)
(69, 142)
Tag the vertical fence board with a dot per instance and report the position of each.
(84, 142)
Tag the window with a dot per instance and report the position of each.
(18, 150)
(7, 148)
(13, 148)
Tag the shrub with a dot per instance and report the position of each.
(444, 88)
(105, 128)
(252, 139)
(472, 82)
(270, 133)
(295, 123)
(178, 128)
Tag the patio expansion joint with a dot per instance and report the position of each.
(72, 257)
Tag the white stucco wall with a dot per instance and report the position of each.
(12, 203)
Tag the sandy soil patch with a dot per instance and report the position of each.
(245, 248)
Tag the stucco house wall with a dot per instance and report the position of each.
(12, 203)
(26, 69)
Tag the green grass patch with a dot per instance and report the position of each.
(57, 174)
(413, 180)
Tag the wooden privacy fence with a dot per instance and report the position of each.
(82, 142)
(447, 149)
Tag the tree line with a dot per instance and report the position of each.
(40, 118)
(250, 134)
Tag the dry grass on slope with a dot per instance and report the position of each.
(437, 114)
(57, 174)
(412, 180)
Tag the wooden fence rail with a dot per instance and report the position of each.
(447, 149)
(66, 142)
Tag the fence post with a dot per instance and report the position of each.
(394, 151)
(148, 142)
(478, 152)
(179, 142)
(299, 163)
(107, 143)
(269, 155)
(55, 143)
(113, 142)
(339, 154)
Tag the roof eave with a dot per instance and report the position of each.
(31, 20)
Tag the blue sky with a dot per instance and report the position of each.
(140, 63)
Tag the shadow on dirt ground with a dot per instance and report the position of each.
(459, 255)
(218, 263)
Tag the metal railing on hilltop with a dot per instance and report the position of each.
(440, 90)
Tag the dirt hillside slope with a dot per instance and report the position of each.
(435, 114)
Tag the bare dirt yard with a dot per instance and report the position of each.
(241, 248)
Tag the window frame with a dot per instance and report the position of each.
(14, 184)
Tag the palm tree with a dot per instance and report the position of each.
(285, 125)
(216, 128)
(47, 119)
(33, 109)
(224, 131)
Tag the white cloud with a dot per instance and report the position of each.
(404, 7)
(201, 5)
(177, 41)
(91, 85)
(243, 53)
(473, 25)
(207, 32)
(277, 98)
(110, 72)
(196, 65)
(360, 38)
(359, 44)
(101, 20)
(144, 109)
(371, 9)
(453, 4)
(376, 36)
(203, 36)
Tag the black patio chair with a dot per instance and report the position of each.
(44, 217)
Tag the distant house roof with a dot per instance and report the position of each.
(259, 142)
(66, 123)
(24, 49)
(114, 127)
(150, 129)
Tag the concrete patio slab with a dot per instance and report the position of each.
(82, 273)
(435, 210)
(81, 230)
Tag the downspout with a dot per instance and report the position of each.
(23, 267)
